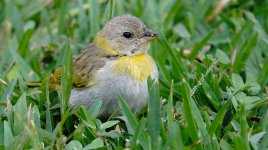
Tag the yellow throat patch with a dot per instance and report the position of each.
(139, 66)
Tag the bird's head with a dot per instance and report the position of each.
(125, 35)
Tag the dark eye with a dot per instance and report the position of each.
(127, 35)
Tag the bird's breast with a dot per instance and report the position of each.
(139, 67)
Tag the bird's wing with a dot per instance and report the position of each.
(85, 66)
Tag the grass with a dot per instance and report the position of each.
(212, 89)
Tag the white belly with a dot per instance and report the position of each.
(109, 87)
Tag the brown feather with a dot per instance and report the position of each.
(85, 65)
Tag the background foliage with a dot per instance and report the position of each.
(213, 63)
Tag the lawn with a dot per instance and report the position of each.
(212, 93)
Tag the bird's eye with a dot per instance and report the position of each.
(127, 35)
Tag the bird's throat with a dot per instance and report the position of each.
(138, 67)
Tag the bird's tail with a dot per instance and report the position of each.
(33, 84)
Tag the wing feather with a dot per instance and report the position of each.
(85, 65)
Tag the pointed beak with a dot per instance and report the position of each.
(149, 34)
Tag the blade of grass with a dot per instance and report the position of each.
(133, 122)
(8, 136)
(264, 141)
(66, 76)
(219, 118)
(31, 9)
(20, 110)
(45, 96)
(214, 142)
(61, 19)
(35, 116)
(46, 20)
(21, 67)
(44, 91)
(199, 45)
(188, 114)
(170, 114)
(2, 134)
(154, 113)
(237, 38)
(24, 42)
(94, 13)
(200, 125)
(174, 136)
(17, 22)
(95, 144)
(8, 90)
(263, 77)
(178, 62)
(109, 11)
(82, 19)
(244, 129)
(244, 53)
(87, 119)
(138, 132)
(19, 141)
(95, 108)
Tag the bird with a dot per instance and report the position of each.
(116, 64)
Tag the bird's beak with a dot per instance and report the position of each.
(149, 34)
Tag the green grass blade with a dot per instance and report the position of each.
(174, 136)
(8, 136)
(24, 43)
(95, 144)
(1, 134)
(62, 14)
(199, 45)
(170, 113)
(47, 23)
(219, 118)
(244, 53)
(154, 113)
(200, 125)
(263, 77)
(138, 132)
(188, 114)
(17, 21)
(95, 108)
(94, 13)
(244, 129)
(45, 92)
(82, 19)
(48, 114)
(237, 38)
(74, 145)
(19, 141)
(20, 110)
(178, 62)
(132, 121)
(214, 144)
(87, 119)
(66, 76)
(109, 12)
(264, 141)
(21, 68)
(108, 124)
(8, 91)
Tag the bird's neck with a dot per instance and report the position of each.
(102, 43)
